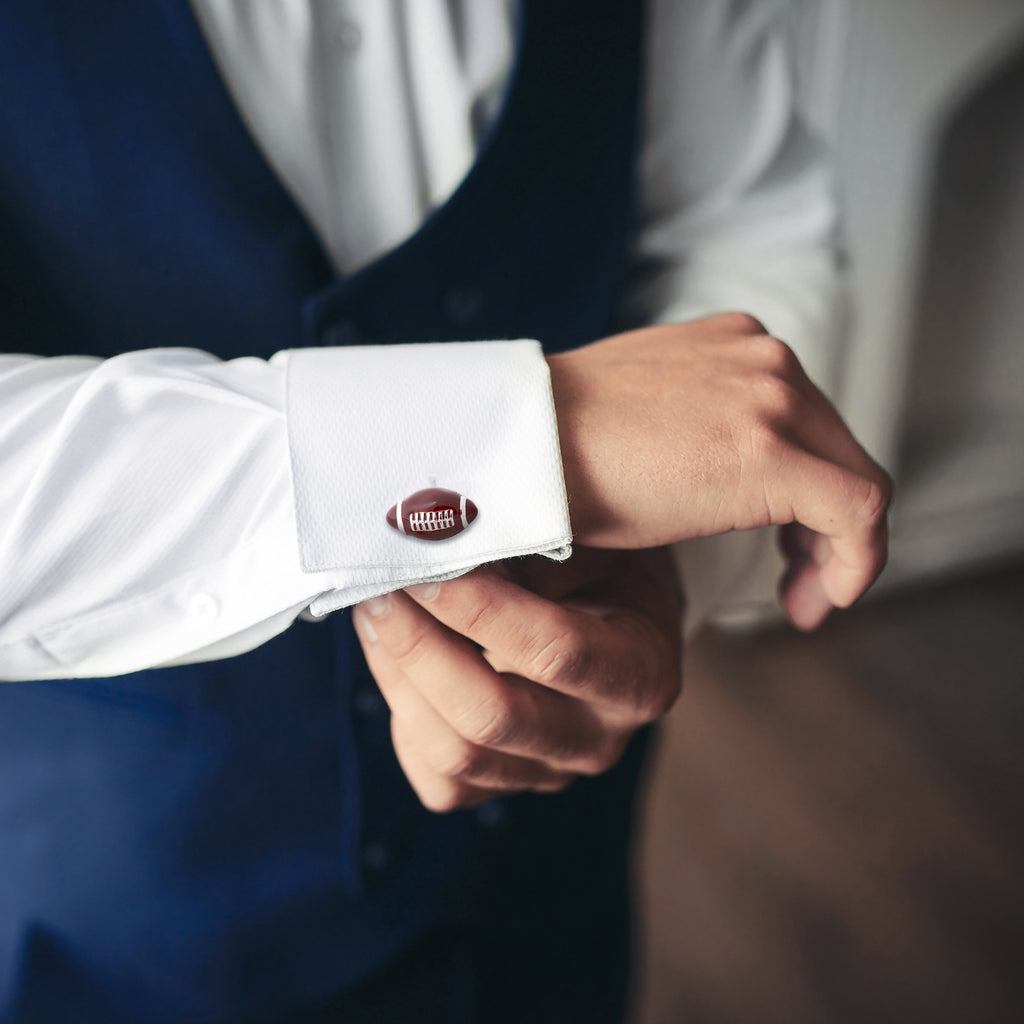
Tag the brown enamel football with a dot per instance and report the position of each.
(435, 513)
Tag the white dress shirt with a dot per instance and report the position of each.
(164, 506)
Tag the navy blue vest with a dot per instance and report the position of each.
(203, 842)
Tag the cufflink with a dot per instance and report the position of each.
(432, 514)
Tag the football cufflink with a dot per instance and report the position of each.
(432, 514)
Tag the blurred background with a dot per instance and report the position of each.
(834, 829)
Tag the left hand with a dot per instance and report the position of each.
(687, 430)
(576, 656)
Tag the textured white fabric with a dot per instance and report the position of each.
(147, 514)
(371, 112)
(490, 436)
(146, 511)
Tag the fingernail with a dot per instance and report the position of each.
(424, 591)
(376, 606)
(363, 624)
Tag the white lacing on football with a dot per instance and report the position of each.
(427, 522)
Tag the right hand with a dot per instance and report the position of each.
(523, 675)
(687, 430)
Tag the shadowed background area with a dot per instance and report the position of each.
(835, 826)
(835, 830)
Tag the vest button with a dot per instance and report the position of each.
(368, 702)
(463, 303)
(491, 814)
(378, 859)
(340, 334)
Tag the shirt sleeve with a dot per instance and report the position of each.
(738, 212)
(164, 506)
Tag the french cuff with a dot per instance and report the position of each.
(369, 426)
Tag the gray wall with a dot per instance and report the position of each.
(927, 116)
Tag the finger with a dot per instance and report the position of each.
(844, 575)
(800, 590)
(405, 644)
(442, 793)
(802, 595)
(435, 792)
(839, 504)
(444, 767)
(501, 664)
(850, 509)
(619, 661)
(442, 750)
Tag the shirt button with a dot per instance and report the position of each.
(203, 607)
(348, 35)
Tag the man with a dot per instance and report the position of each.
(215, 825)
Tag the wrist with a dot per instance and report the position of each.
(568, 393)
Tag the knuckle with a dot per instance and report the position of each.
(456, 759)
(779, 398)
(603, 757)
(741, 323)
(410, 648)
(441, 798)
(662, 696)
(555, 785)
(564, 658)
(874, 502)
(648, 691)
(778, 356)
(477, 610)
(490, 723)
(436, 792)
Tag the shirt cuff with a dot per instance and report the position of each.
(368, 426)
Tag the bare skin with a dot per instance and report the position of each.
(695, 429)
(576, 657)
(667, 433)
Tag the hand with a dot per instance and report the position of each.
(575, 657)
(689, 430)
